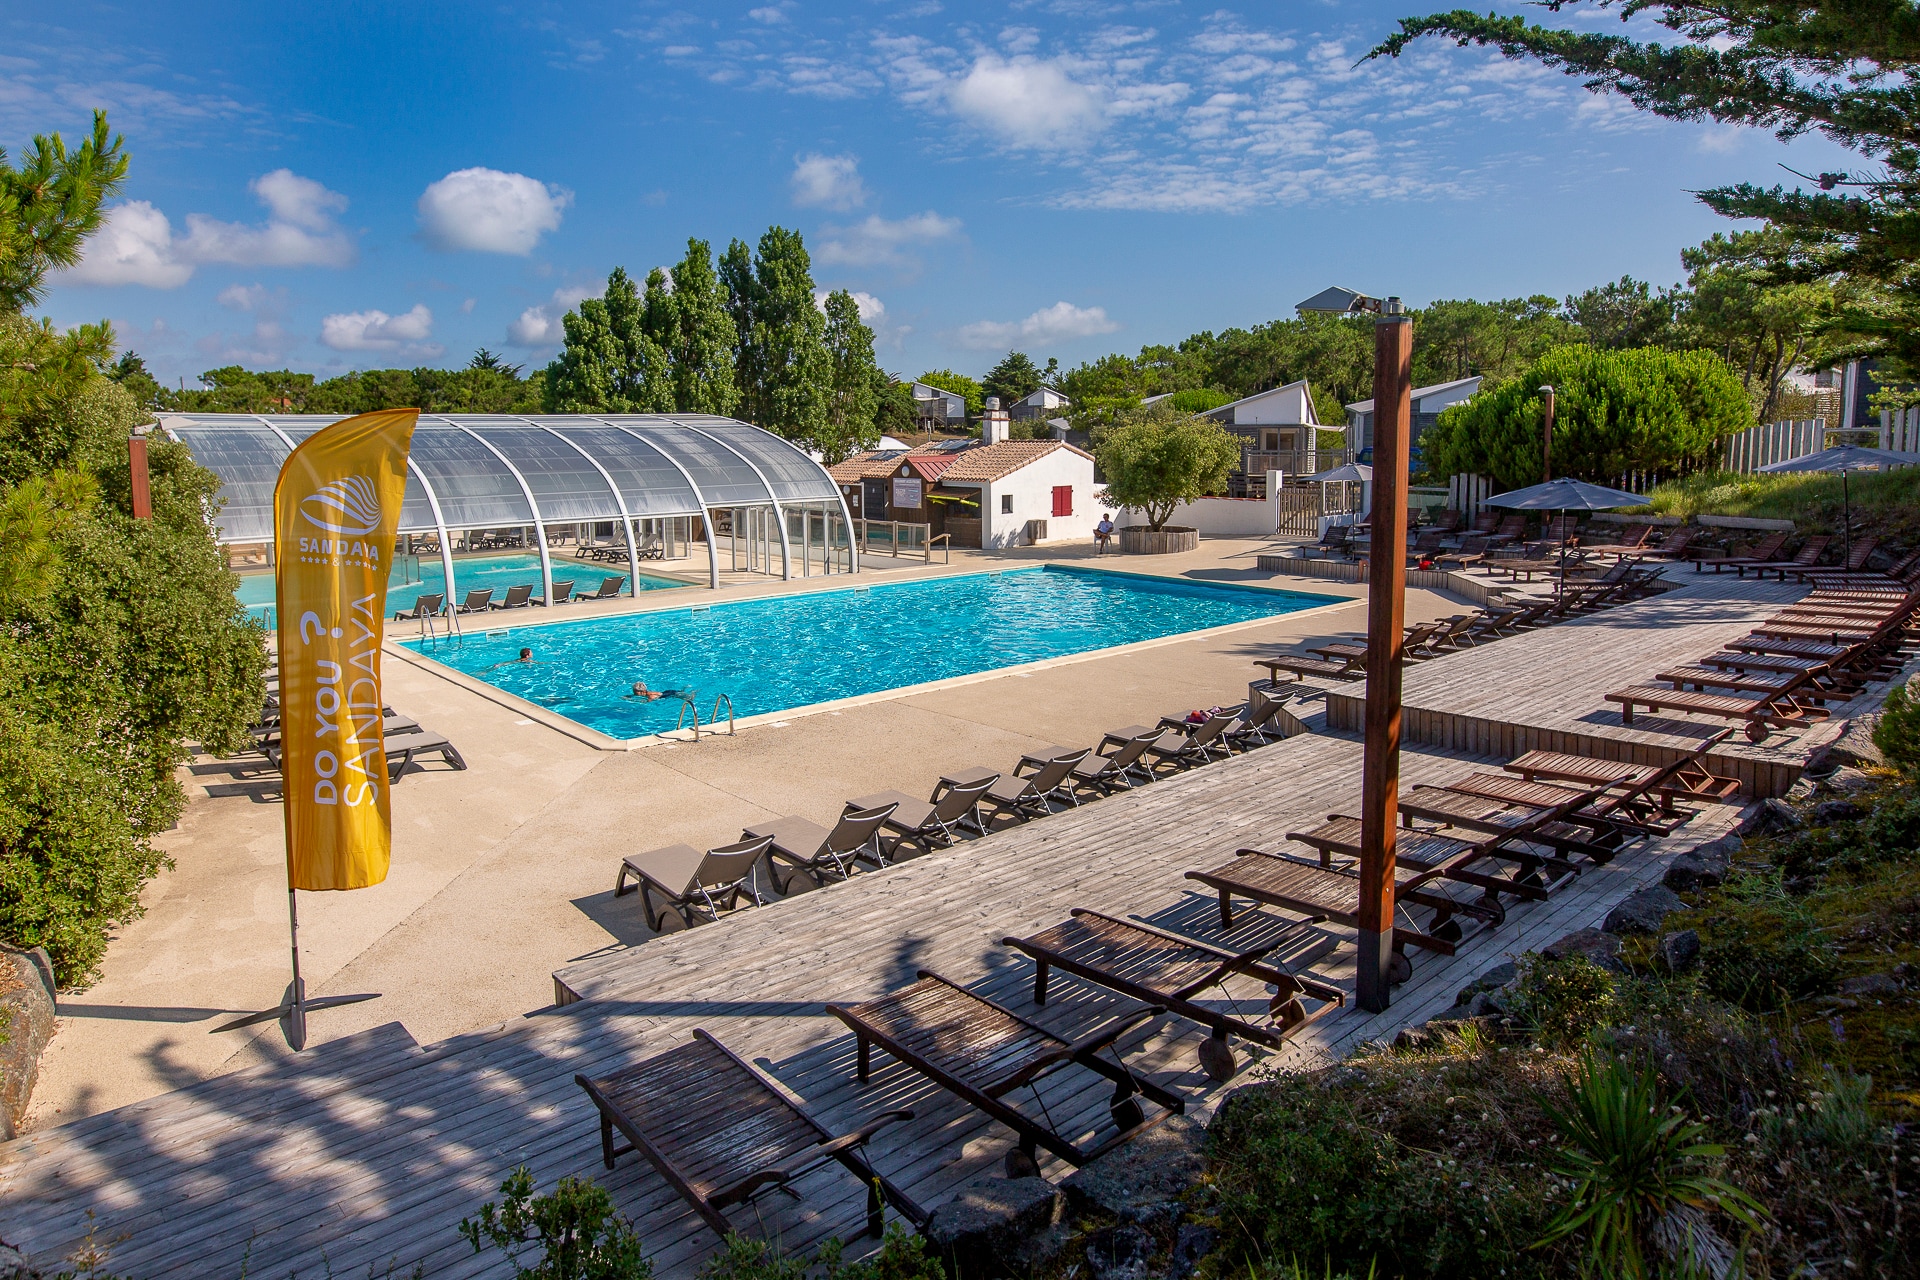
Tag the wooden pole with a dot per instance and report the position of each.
(142, 490)
(1546, 437)
(1386, 610)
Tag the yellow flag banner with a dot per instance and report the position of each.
(335, 512)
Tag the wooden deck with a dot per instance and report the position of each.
(1546, 689)
(369, 1150)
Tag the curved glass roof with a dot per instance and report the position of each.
(490, 470)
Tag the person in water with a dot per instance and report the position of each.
(526, 656)
(645, 694)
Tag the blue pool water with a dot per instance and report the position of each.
(520, 568)
(792, 651)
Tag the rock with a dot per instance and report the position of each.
(13, 1264)
(1849, 781)
(1687, 871)
(1488, 1005)
(1853, 747)
(1157, 1166)
(1192, 1243)
(1642, 910)
(1680, 952)
(1119, 1253)
(1600, 948)
(1802, 790)
(1872, 984)
(1498, 976)
(986, 1230)
(1771, 817)
(26, 1024)
(1828, 812)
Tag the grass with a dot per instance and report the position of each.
(1884, 505)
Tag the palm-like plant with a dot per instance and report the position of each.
(1635, 1162)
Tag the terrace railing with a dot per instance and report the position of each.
(900, 537)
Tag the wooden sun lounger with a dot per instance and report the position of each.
(1556, 823)
(1301, 668)
(1323, 893)
(1800, 683)
(1809, 555)
(1686, 778)
(981, 1052)
(1449, 856)
(1855, 562)
(722, 1133)
(1758, 715)
(1167, 970)
(1766, 549)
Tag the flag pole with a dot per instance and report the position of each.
(296, 993)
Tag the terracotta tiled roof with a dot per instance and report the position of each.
(992, 461)
(863, 466)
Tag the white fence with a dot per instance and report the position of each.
(1468, 493)
(1900, 430)
(1773, 442)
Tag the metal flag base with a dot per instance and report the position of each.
(294, 1006)
(292, 1013)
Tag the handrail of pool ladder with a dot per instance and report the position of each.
(715, 717)
(688, 704)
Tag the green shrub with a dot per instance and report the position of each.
(1761, 947)
(1643, 409)
(578, 1232)
(901, 1256)
(1636, 1165)
(1562, 1000)
(1898, 733)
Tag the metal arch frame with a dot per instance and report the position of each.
(779, 513)
(620, 500)
(706, 512)
(539, 525)
(846, 513)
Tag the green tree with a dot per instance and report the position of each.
(1158, 460)
(1843, 70)
(894, 414)
(855, 383)
(961, 385)
(1625, 313)
(1496, 340)
(1013, 379)
(1759, 327)
(50, 205)
(701, 342)
(1615, 411)
(609, 363)
(782, 366)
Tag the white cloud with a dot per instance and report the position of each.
(872, 310)
(828, 182)
(299, 231)
(488, 211)
(136, 243)
(133, 246)
(541, 326)
(769, 14)
(878, 242)
(1028, 102)
(1060, 322)
(378, 331)
(252, 297)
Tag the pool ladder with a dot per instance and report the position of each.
(687, 704)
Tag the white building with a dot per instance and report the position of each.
(1427, 404)
(1038, 405)
(935, 409)
(1030, 491)
(1278, 431)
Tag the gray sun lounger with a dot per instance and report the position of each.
(929, 824)
(806, 853)
(609, 588)
(722, 1133)
(1116, 764)
(689, 885)
(403, 747)
(517, 598)
(1031, 795)
(423, 607)
(562, 594)
(478, 600)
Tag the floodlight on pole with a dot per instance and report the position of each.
(1378, 965)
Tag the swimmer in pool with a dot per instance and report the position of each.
(645, 694)
(526, 656)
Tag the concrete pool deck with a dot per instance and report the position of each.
(504, 873)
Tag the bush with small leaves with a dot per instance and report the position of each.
(578, 1232)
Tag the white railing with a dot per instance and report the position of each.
(1772, 442)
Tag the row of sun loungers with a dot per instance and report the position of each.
(480, 599)
(1823, 649)
(403, 738)
(722, 1132)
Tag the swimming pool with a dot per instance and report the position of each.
(782, 652)
(520, 568)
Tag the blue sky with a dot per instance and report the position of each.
(360, 186)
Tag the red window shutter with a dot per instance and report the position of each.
(1063, 499)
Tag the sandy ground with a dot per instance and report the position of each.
(504, 872)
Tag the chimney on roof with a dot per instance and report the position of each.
(993, 424)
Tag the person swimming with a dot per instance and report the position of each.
(526, 656)
(645, 694)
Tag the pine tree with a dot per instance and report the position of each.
(702, 348)
(782, 366)
(609, 363)
(1841, 68)
(1014, 379)
(854, 391)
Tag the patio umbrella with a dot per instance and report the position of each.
(1566, 495)
(1846, 459)
(1349, 473)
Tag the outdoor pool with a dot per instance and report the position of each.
(519, 568)
(783, 652)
